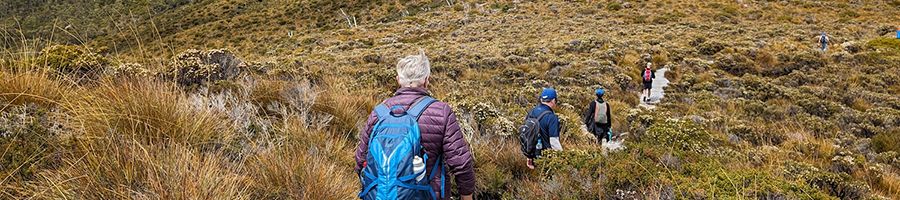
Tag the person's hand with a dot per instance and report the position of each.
(530, 163)
(465, 197)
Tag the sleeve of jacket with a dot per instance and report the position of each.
(587, 115)
(364, 141)
(609, 115)
(458, 156)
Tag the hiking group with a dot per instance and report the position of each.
(411, 141)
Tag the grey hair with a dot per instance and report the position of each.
(413, 70)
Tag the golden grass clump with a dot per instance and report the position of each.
(146, 111)
(31, 87)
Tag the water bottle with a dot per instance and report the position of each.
(419, 168)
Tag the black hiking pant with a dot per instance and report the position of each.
(601, 132)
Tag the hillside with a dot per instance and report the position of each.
(244, 99)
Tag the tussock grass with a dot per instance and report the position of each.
(752, 111)
(150, 112)
(32, 88)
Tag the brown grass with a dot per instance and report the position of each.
(32, 87)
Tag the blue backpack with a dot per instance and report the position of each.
(393, 145)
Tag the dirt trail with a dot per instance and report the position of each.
(656, 94)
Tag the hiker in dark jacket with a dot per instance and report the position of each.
(440, 132)
(597, 117)
(549, 124)
(647, 77)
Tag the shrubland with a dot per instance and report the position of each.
(265, 99)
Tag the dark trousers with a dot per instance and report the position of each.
(601, 132)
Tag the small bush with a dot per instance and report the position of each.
(30, 142)
(736, 63)
(680, 135)
(884, 44)
(800, 61)
(74, 61)
(885, 142)
(614, 6)
(194, 67)
(710, 47)
(819, 107)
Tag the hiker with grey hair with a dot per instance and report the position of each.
(410, 141)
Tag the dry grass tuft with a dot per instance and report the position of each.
(150, 112)
(31, 88)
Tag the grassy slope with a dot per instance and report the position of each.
(739, 126)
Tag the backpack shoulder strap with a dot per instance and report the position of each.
(417, 108)
(542, 114)
(382, 111)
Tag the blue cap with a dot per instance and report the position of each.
(599, 91)
(548, 93)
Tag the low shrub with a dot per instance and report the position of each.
(72, 61)
(819, 107)
(195, 67)
(885, 142)
(736, 64)
(29, 137)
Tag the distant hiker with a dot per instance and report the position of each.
(647, 77)
(597, 118)
(898, 32)
(407, 129)
(823, 41)
(541, 128)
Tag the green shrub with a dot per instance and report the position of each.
(735, 63)
(796, 61)
(819, 107)
(614, 6)
(886, 142)
(838, 185)
(884, 44)
(29, 143)
(679, 135)
(195, 67)
(709, 47)
(72, 60)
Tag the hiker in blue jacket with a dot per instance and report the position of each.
(549, 124)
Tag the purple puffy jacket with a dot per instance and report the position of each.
(440, 135)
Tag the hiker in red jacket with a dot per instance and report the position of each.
(647, 77)
(440, 136)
